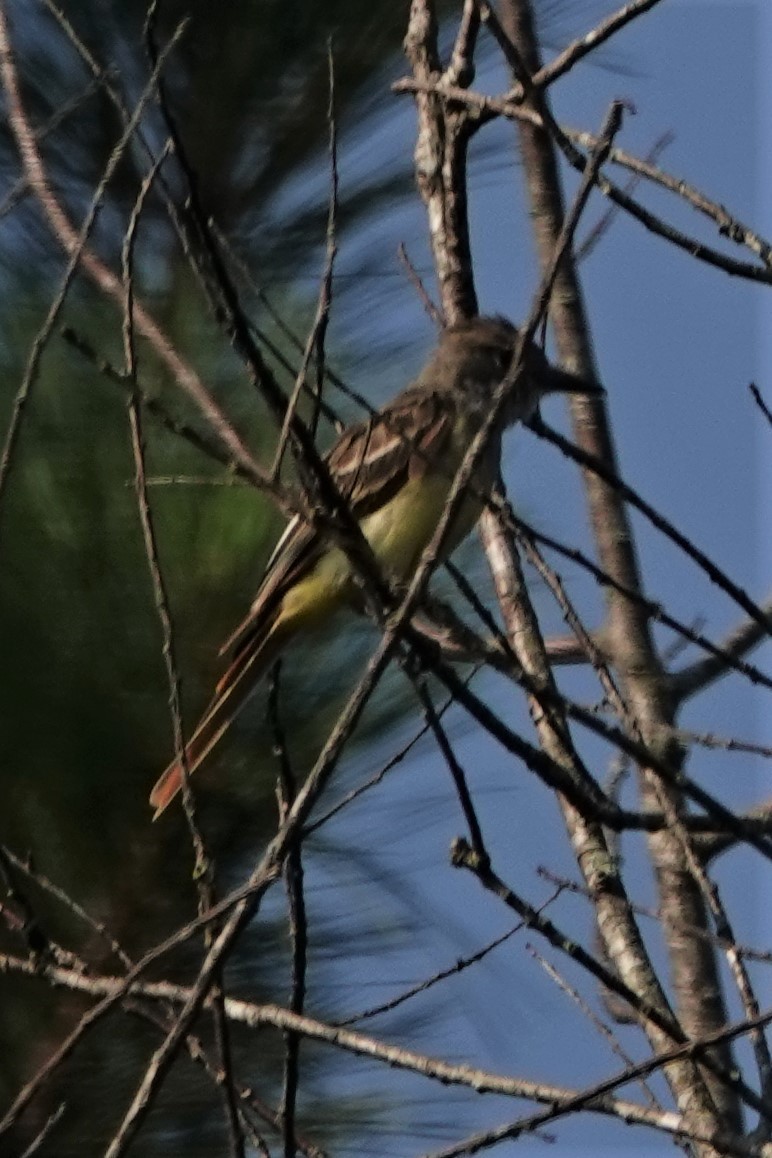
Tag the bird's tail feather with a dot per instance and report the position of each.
(232, 692)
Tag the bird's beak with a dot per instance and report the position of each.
(563, 382)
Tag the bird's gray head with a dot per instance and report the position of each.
(475, 355)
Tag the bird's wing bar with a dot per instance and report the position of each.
(373, 460)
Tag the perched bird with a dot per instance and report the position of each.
(395, 471)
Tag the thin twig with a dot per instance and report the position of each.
(77, 252)
(458, 966)
(44, 1131)
(286, 790)
(600, 1026)
(48, 886)
(657, 519)
(105, 280)
(431, 310)
(453, 765)
(591, 41)
(759, 400)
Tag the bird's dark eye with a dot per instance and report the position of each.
(502, 360)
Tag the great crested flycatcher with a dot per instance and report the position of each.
(394, 471)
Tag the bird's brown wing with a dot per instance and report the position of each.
(373, 460)
(369, 464)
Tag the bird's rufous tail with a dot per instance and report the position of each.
(231, 693)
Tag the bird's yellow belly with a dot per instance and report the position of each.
(398, 534)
